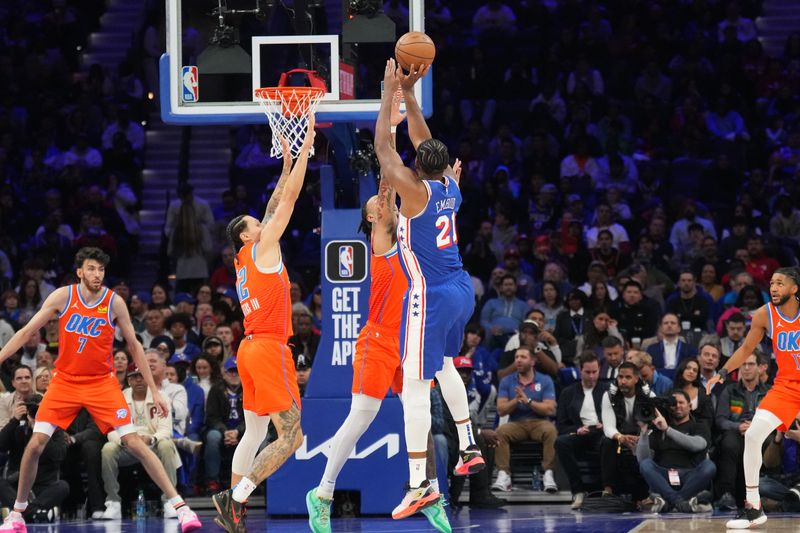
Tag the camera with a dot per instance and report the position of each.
(32, 405)
(645, 410)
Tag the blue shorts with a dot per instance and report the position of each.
(434, 318)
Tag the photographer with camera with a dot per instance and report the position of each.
(735, 409)
(12, 406)
(673, 457)
(542, 345)
(49, 490)
(622, 434)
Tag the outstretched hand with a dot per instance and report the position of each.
(391, 81)
(310, 133)
(416, 72)
(287, 155)
(457, 169)
(396, 117)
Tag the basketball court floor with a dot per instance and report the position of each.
(513, 519)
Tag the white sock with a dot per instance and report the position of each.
(363, 410)
(455, 396)
(434, 483)
(753, 497)
(243, 490)
(176, 500)
(20, 505)
(416, 468)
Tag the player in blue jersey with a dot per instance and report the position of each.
(440, 298)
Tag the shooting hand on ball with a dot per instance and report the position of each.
(416, 72)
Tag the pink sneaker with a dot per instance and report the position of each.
(14, 522)
(188, 519)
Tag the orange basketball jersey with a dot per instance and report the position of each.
(387, 288)
(264, 295)
(86, 336)
(785, 334)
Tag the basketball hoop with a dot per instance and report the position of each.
(287, 109)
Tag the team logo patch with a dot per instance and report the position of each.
(122, 413)
(103, 309)
(346, 261)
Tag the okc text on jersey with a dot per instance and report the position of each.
(789, 341)
(89, 326)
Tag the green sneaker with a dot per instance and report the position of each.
(437, 516)
(319, 512)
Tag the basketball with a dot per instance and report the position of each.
(414, 48)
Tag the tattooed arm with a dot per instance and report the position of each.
(278, 192)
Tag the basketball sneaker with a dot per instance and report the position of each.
(14, 522)
(747, 519)
(188, 519)
(437, 516)
(470, 461)
(416, 499)
(319, 512)
(232, 514)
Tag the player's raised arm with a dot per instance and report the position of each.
(273, 229)
(52, 305)
(418, 130)
(120, 313)
(758, 327)
(278, 192)
(403, 179)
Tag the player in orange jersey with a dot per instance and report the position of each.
(376, 364)
(780, 320)
(264, 360)
(88, 315)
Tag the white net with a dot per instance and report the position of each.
(287, 109)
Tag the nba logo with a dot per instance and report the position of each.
(189, 91)
(346, 261)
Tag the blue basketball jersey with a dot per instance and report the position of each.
(429, 242)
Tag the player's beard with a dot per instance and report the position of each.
(783, 300)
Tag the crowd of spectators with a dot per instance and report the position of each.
(629, 177)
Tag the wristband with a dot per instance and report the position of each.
(723, 374)
(393, 129)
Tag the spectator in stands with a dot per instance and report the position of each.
(207, 371)
(156, 431)
(671, 350)
(138, 310)
(496, 18)
(597, 273)
(153, 326)
(571, 322)
(604, 221)
(48, 490)
(190, 245)
(304, 341)
(735, 409)
(30, 300)
(164, 345)
(618, 465)
(501, 316)
(678, 444)
(551, 304)
(483, 363)
(761, 266)
(605, 252)
(175, 393)
(84, 442)
(708, 358)
(13, 405)
(734, 336)
(179, 326)
(710, 283)
(636, 316)
(688, 304)
(613, 357)
(41, 379)
(529, 398)
(121, 362)
(544, 347)
(214, 347)
(658, 383)
(196, 401)
(224, 275)
(578, 420)
(225, 334)
(202, 212)
(185, 303)
(785, 223)
(159, 296)
(133, 131)
(302, 368)
(679, 236)
(31, 349)
(601, 327)
(225, 423)
(515, 265)
(687, 379)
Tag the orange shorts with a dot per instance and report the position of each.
(377, 365)
(269, 382)
(783, 401)
(101, 396)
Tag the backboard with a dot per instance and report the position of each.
(220, 51)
